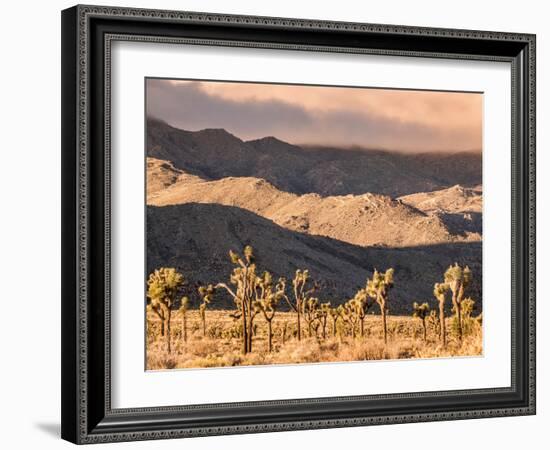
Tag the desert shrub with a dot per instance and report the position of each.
(234, 331)
(215, 331)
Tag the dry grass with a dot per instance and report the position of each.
(221, 347)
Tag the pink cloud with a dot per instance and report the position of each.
(396, 119)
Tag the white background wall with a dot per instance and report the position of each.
(30, 222)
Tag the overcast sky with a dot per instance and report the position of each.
(371, 118)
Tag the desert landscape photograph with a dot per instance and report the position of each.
(290, 224)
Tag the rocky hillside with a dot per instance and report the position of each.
(161, 175)
(455, 199)
(461, 209)
(367, 219)
(215, 154)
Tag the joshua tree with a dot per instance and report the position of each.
(458, 279)
(322, 314)
(183, 313)
(440, 293)
(467, 309)
(301, 294)
(162, 287)
(334, 315)
(468, 306)
(361, 306)
(157, 307)
(433, 321)
(341, 324)
(349, 316)
(268, 297)
(310, 308)
(421, 311)
(379, 289)
(207, 295)
(244, 279)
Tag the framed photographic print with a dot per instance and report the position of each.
(268, 222)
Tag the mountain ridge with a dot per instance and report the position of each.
(366, 219)
(327, 171)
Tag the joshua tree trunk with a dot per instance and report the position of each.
(382, 304)
(424, 328)
(203, 318)
(456, 304)
(442, 323)
(269, 336)
(245, 334)
(284, 333)
(162, 318)
(298, 322)
(250, 331)
(459, 320)
(362, 327)
(325, 329)
(184, 327)
(168, 343)
(334, 326)
(385, 325)
(250, 339)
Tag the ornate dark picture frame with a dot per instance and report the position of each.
(87, 34)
